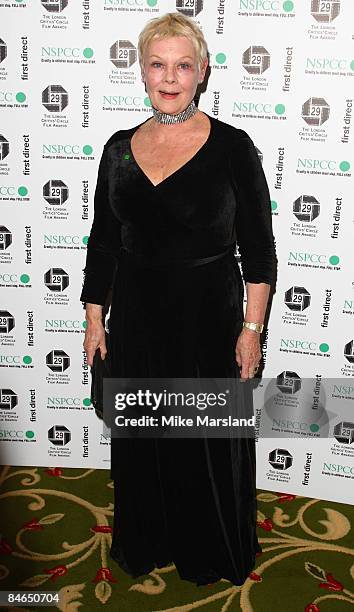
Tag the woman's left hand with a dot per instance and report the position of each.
(248, 352)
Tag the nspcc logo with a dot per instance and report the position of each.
(288, 382)
(349, 351)
(57, 361)
(191, 8)
(7, 322)
(66, 54)
(5, 238)
(3, 50)
(269, 6)
(325, 11)
(55, 98)
(123, 54)
(280, 459)
(54, 6)
(344, 432)
(55, 192)
(8, 399)
(59, 435)
(56, 279)
(297, 298)
(256, 60)
(306, 208)
(64, 325)
(4, 147)
(315, 111)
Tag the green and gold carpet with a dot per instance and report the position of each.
(56, 533)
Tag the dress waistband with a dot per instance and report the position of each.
(143, 261)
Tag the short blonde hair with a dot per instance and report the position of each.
(172, 24)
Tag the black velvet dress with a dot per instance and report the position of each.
(187, 501)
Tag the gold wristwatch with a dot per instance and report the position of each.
(257, 327)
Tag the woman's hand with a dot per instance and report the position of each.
(248, 352)
(95, 334)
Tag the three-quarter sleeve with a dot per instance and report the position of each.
(253, 221)
(104, 241)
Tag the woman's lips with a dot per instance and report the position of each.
(168, 96)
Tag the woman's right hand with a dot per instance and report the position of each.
(95, 334)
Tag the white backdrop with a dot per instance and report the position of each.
(69, 77)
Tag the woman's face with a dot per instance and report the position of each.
(171, 73)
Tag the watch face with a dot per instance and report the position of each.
(258, 327)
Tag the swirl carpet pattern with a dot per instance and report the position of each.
(55, 535)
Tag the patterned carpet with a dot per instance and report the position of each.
(55, 535)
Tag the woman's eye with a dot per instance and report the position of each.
(185, 66)
(156, 64)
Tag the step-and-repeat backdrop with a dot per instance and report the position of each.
(69, 77)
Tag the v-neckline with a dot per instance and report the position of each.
(201, 148)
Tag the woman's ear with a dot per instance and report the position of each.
(202, 70)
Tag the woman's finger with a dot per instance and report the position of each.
(249, 368)
(90, 355)
(94, 340)
(245, 369)
(103, 350)
(238, 358)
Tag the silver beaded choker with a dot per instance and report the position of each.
(168, 119)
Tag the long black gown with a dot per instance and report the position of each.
(187, 501)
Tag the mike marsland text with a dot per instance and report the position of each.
(178, 421)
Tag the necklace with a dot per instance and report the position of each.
(168, 119)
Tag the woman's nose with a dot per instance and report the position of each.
(170, 75)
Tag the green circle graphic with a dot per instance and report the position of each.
(314, 427)
(334, 260)
(352, 65)
(88, 52)
(344, 166)
(280, 109)
(288, 6)
(27, 359)
(22, 191)
(220, 58)
(86, 401)
(24, 278)
(274, 205)
(87, 149)
(84, 324)
(85, 239)
(20, 96)
(151, 2)
(324, 347)
(29, 434)
(147, 102)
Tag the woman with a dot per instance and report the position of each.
(171, 195)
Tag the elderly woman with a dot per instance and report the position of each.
(172, 195)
